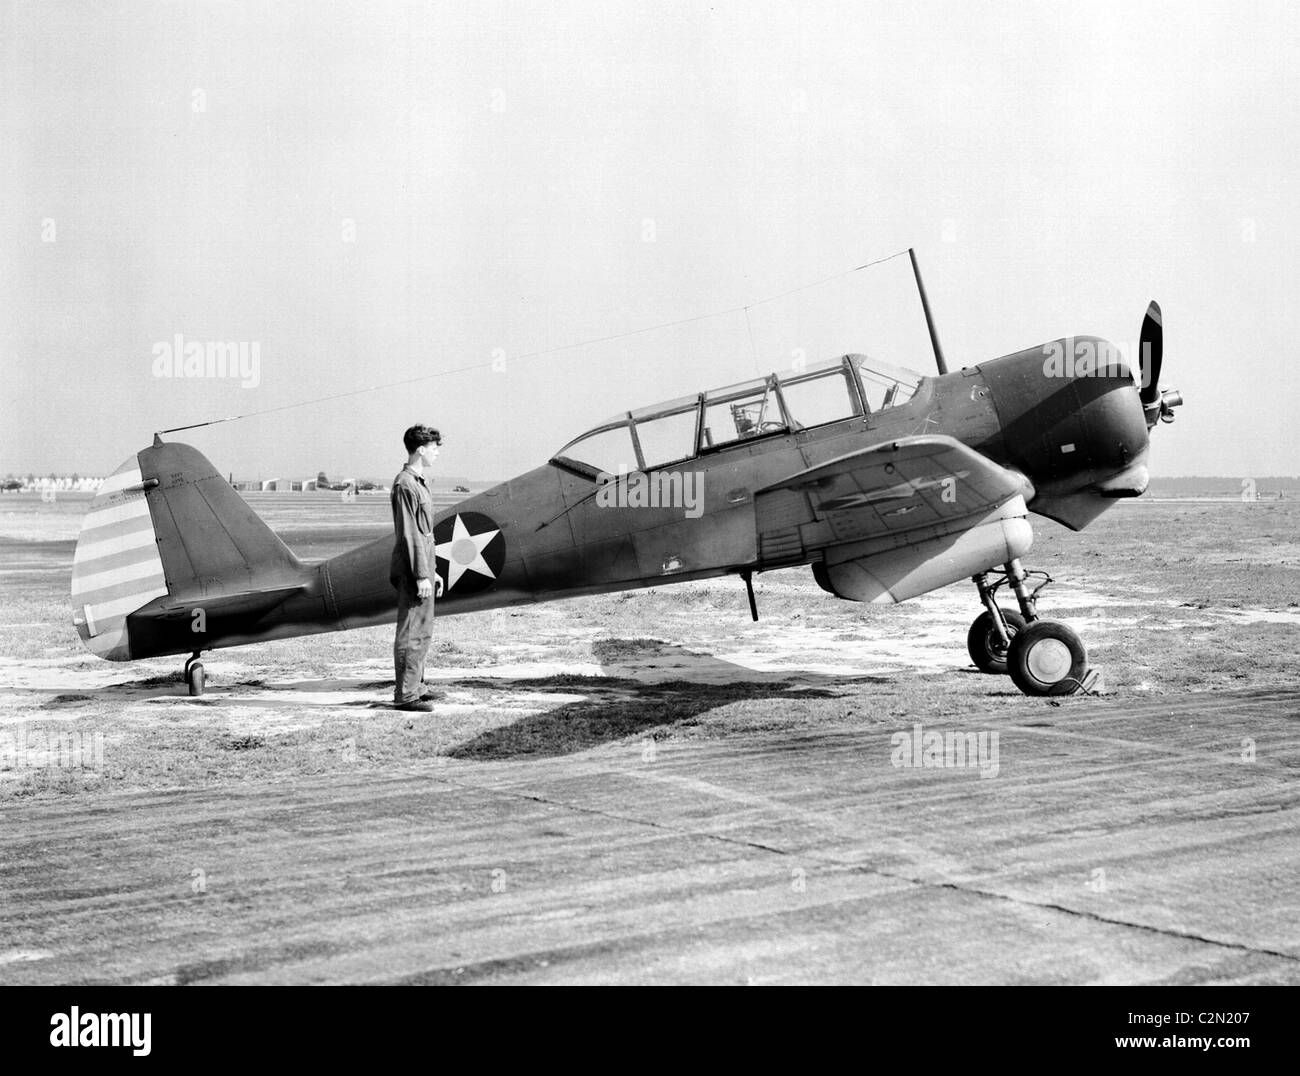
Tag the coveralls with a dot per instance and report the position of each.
(413, 559)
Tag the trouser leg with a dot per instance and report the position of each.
(411, 645)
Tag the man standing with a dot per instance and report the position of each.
(413, 570)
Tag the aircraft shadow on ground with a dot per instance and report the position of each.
(622, 703)
(644, 684)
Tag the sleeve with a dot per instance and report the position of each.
(406, 522)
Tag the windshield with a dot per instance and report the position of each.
(885, 385)
(607, 448)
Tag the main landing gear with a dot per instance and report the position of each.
(1043, 657)
(195, 677)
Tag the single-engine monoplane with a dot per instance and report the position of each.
(886, 483)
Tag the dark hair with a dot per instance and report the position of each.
(420, 435)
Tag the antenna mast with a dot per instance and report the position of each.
(929, 321)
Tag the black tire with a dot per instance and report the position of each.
(195, 678)
(1047, 658)
(983, 644)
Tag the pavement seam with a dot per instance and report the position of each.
(1094, 917)
(891, 875)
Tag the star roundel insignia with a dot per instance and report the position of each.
(470, 551)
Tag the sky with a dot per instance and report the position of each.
(383, 192)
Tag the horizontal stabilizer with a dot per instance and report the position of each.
(249, 605)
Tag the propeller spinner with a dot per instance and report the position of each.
(1158, 406)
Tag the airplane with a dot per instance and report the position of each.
(324, 483)
(886, 483)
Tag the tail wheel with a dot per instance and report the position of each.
(1047, 658)
(195, 678)
(984, 645)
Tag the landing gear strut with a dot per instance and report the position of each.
(195, 677)
(1043, 657)
(990, 637)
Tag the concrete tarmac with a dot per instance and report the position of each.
(1120, 841)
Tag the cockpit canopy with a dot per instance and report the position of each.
(681, 429)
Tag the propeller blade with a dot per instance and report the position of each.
(1152, 347)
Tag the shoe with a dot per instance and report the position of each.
(422, 706)
(432, 696)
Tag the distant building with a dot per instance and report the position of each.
(59, 483)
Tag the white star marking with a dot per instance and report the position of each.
(464, 552)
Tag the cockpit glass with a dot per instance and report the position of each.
(818, 398)
(884, 385)
(666, 433)
(605, 450)
(669, 437)
(741, 412)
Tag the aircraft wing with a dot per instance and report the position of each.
(909, 488)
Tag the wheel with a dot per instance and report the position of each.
(983, 644)
(1047, 658)
(195, 677)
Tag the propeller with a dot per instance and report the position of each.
(1158, 406)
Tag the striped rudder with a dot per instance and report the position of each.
(116, 568)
